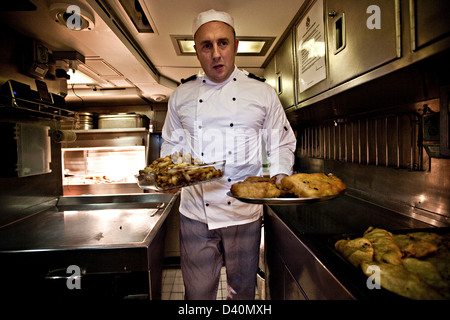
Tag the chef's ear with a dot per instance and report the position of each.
(236, 45)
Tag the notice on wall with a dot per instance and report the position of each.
(311, 47)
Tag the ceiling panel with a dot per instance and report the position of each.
(115, 50)
(102, 68)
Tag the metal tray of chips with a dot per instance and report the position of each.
(176, 178)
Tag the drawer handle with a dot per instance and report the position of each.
(332, 14)
(339, 34)
(279, 84)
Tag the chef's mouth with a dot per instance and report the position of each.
(217, 67)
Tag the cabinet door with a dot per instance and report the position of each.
(275, 274)
(429, 22)
(362, 35)
(292, 290)
(270, 73)
(310, 49)
(284, 64)
(294, 271)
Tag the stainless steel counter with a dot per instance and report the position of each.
(111, 234)
(89, 222)
(302, 262)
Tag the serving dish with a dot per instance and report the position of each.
(283, 200)
(180, 177)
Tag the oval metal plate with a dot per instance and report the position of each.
(283, 201)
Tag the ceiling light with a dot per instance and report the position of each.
(186, 46)
(158, 97)
(248, 46)
(72, 16)
(245, 46)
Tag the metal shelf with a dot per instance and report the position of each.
(41, 108)
(111, 130)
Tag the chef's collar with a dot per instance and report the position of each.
(219, 84)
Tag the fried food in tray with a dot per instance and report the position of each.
(414, 265)
(177, 171)
(355, 251)
(385, 248)
(300, 185)
(256, 187)
(419, 245)
(312, 185)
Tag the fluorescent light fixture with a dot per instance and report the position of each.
(251, 46)
(186, 46)
(79, 77)
(248, 46)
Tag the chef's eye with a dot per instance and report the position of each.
(207, 46)
(223, 43)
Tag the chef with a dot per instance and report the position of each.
(224, 114)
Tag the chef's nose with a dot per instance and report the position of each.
(215, 52)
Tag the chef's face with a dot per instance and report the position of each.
(216, 47)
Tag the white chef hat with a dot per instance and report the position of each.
(211, 15)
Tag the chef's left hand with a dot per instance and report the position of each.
(280, 177)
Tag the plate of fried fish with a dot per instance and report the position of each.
(298, 188)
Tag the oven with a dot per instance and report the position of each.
(104, 161)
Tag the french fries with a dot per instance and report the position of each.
(176, 171)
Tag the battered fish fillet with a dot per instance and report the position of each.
(397, 279)
(386, 250)
(355, 251)
(441, 260)
(312, 185)
(256, 187)
(429, 274)
(378, 253)
(414, 247)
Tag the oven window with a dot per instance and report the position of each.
(102, 165)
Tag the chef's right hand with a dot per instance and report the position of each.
(170, 191)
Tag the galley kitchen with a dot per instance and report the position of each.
(106, 157)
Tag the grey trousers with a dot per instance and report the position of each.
(203, 252)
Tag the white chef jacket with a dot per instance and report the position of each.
(227, 121)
